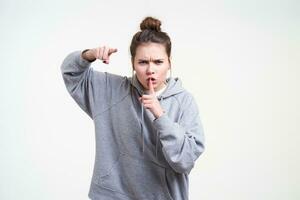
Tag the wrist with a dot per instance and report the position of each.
(161, 113)
(86, 54)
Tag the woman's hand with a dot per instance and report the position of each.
(101, 53)
(151, 102)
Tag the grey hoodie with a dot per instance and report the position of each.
(138, 157)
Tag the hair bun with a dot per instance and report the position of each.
(150, 23)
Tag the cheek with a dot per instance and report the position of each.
(139, 72)
(138, 68)
(164, 72)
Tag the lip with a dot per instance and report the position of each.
(152, 78)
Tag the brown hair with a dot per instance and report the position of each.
(150, 32)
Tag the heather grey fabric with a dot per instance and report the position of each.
(137, 157)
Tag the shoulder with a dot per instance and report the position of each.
(184, 96)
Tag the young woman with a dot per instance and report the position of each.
(148, 128)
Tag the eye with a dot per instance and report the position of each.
(143, 62)
(158, 62)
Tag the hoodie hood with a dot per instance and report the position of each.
(174, 86)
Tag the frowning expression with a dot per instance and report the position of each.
(151, 62)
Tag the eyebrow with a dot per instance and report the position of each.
(148, 59)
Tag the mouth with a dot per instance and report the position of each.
(151, 78)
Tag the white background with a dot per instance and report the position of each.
(240, 59)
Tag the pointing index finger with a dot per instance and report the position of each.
(112, 50)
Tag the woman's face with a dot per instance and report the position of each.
(151, 62)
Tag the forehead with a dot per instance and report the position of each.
(151, 50)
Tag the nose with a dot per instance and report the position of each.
(150, 69)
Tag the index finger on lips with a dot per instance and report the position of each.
(151, 87)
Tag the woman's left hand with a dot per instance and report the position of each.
(151, 102)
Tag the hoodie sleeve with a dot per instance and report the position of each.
(92, 90)
(182, 142)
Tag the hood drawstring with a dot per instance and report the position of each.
(156, 144)
(157, 137)
(142, 132)
(142, 127)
